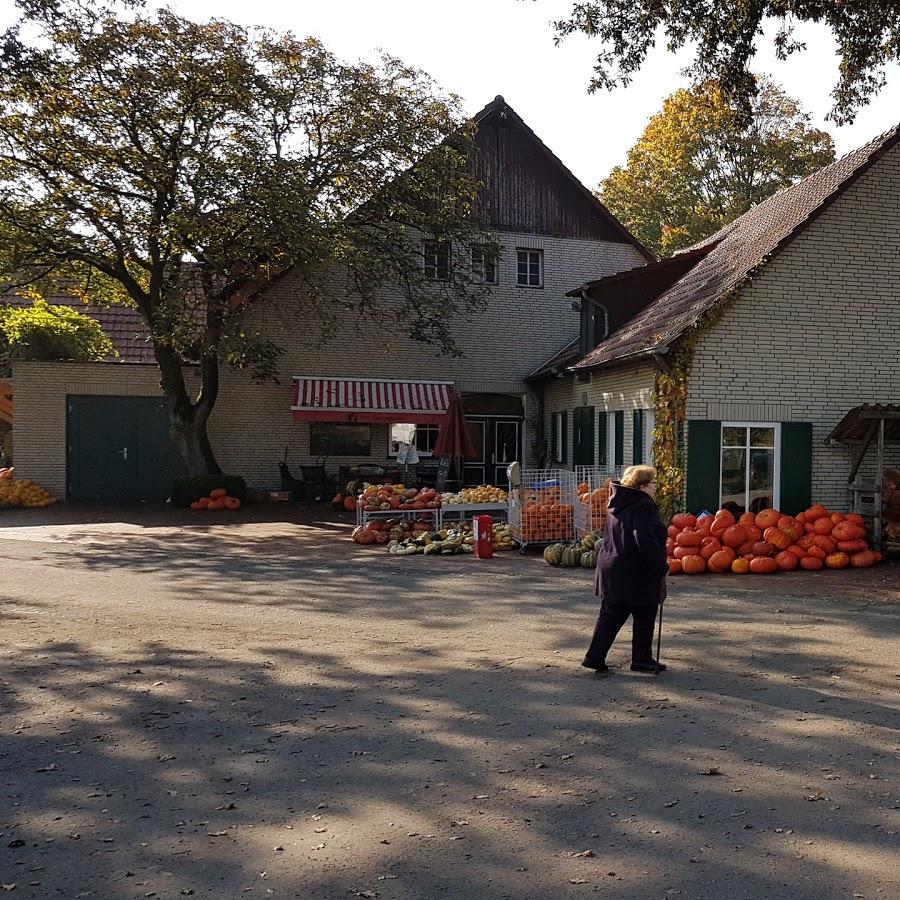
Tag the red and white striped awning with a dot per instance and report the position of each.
(368, 400)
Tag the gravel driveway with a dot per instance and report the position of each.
(266, 709)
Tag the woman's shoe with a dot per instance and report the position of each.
(649, 665)
(597, 667)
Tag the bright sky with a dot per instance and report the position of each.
(481, 48)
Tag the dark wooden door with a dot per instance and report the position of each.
(583, 436)
(498, 442)
(118, 448)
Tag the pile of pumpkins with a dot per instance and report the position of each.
(768, 542)
(385, 497)
(582, 553)
(218, 499)
(22, 493)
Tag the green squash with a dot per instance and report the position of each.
(571, 557)
(589, 559)
(553, 554)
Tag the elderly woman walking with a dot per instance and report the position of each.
(631, 570)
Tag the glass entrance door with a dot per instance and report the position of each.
(497, 441)
(506, 448)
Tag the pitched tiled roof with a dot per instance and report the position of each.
(123, 325)
(561, 360)
(739, 248)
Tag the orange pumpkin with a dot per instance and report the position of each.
(674, 566)
(673, 531)
(232, 503)
(847, 531)
(816, 511)
(815, 552)
(837, 561)
(786, 561)
(203, 503)
(837, 518)
(791, 527)
(852, 546)
(811, 563)
(806, 541)
(798, 551)
(217, 503)
(682, 552)
(856, 519)
(350, 503)
(197, 505)
(825, 541)
(746, 549)
(766, 518)
(689, 538)
(740, 566)
(763, 565)
(763, 548)
(734, 536)
(863, 559)
(693, 565)
(721, 560)
(754, 534)
(215, 493)
(709, 546)
(777, 538)
(684, 520)
(823, 525)
(746, 519)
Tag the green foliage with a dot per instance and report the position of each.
(724, 37)
(698, 165)
(187, 490)
(41, 331)
(186, 166)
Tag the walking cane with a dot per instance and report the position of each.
(659, 639)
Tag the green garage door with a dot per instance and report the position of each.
(118, 448)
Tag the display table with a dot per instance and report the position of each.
(363, 516)
(467, 510)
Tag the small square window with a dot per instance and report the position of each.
(484, 265)
(426, 438)
(530, 268)
(437, 260)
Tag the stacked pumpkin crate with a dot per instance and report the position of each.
(592, 495)
(541, 510)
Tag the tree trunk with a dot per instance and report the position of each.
(189, 420)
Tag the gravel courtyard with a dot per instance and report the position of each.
(263, 708)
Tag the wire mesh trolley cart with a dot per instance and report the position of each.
(541, 508)
(591, 495)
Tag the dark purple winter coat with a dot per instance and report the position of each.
(631, 565)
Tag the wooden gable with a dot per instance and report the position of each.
(527, 189)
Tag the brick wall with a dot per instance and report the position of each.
(252, 423)
(815, 333)
(627, 388)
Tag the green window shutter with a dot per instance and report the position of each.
(554, 425)
(619, 459)
(637, 440)
(602, 439)
(796, 467)
(704, 461)
(565, 438)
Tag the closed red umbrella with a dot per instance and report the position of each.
(455, 439)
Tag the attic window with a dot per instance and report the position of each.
(530, 268)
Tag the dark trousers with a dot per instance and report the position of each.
(609, 623)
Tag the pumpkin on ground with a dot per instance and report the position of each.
(811, 563)
(674, 566)
(763, 565)
(350, 504)
(721, 560)
(216, 493)
(553, 554)
(786, 561)
(734, 536)
(837, 561)
(766, 518)
(571, 557)
(740, 566)
(693, 564)
(777, 538)
(589, 559)
(863, 560)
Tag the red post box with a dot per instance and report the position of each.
(483, 530)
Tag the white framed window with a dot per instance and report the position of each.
(750, 466)
(437, 259)
(484, 265)
(530, 268)
(426, 436)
